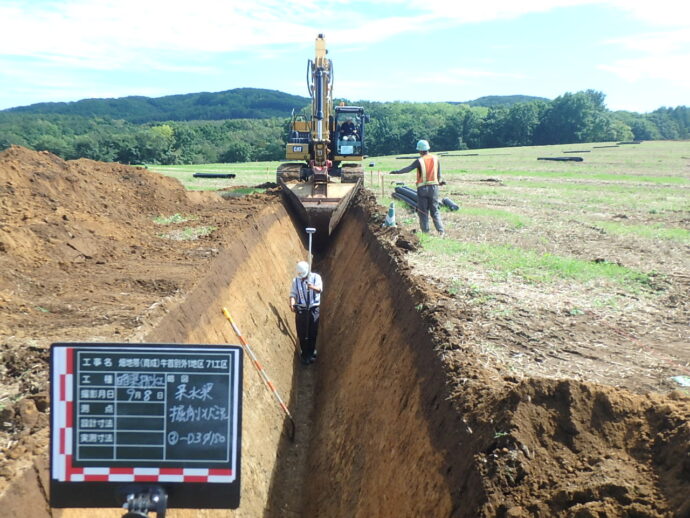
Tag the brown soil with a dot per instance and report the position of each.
(408, 417)
(589, 331)
(81, 259)
(403, 393)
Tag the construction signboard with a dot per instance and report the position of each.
(128, 417)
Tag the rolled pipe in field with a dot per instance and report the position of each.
(214, 175)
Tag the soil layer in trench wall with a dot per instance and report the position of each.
(384, 434)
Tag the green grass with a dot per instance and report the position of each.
(189, 233)
(243, 191)
(651, 159)
(248, 174)
(610, 302)
(505, 261)
(481, 191)
(515, 220)
(648, 231)
(652, 178)
(595, 202)
(610, 177)
(587, 187)
(654, 198)
(169, 220)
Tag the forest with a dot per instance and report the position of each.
(252, 125)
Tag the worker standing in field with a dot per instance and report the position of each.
(428, 180)
(305, 301)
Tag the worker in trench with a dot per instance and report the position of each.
(428, 181)
(305, 300)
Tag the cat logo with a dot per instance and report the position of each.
(296, 149)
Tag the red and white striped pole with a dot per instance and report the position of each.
(262, 373)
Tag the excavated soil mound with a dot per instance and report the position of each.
(81, 258)
(405, 417)
(73, 233)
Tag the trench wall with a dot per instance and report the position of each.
(386, 442)
(390, 439)
(251, 278)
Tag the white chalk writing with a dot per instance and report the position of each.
(202, 438)
(190, 413)
(193, 392)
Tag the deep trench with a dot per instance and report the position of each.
(374, 433)
(377, 432)
(373, 412)
(373, 430)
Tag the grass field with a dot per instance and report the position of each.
(248, 174)
(565, 265)
(637, 192)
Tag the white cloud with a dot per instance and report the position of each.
(463, 76)
(64, 38)
(655, 42)
(659, 55)
(658, 12)
(673, 67)
(109, 34)
(112, 31)
(487, 10)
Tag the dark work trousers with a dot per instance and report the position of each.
(307, 323)
(427, 201)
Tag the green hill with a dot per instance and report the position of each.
(239, 103)
(503, 100)
(249, 124)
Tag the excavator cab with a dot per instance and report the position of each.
(349, 133)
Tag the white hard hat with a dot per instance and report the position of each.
(423, 145)
(302, 269)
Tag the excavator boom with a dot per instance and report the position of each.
(320, 179)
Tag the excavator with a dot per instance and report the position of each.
(324, 152)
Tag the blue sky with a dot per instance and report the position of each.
(636, 52)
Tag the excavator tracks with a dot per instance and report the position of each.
(351, 173)
(289, 171)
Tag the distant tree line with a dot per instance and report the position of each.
(568, 119)
(239, 103)
(172, 142)
(394, 128)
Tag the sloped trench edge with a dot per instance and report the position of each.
(470, 412)
(250, 273)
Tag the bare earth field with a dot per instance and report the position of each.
(529, 364)
(83, 260)
(619, 207)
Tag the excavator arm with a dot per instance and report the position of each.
(317, 186)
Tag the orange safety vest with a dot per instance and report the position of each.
(427, 170)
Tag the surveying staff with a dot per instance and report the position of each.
(305, 299)
(428, 180)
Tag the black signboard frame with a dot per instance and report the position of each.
(128, 417)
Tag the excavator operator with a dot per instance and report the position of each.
(348, 131)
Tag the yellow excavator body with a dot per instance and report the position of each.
(324, 152)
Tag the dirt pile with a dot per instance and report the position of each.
(68, 228)
(578, 449)
(57, 210)
(81, 258)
